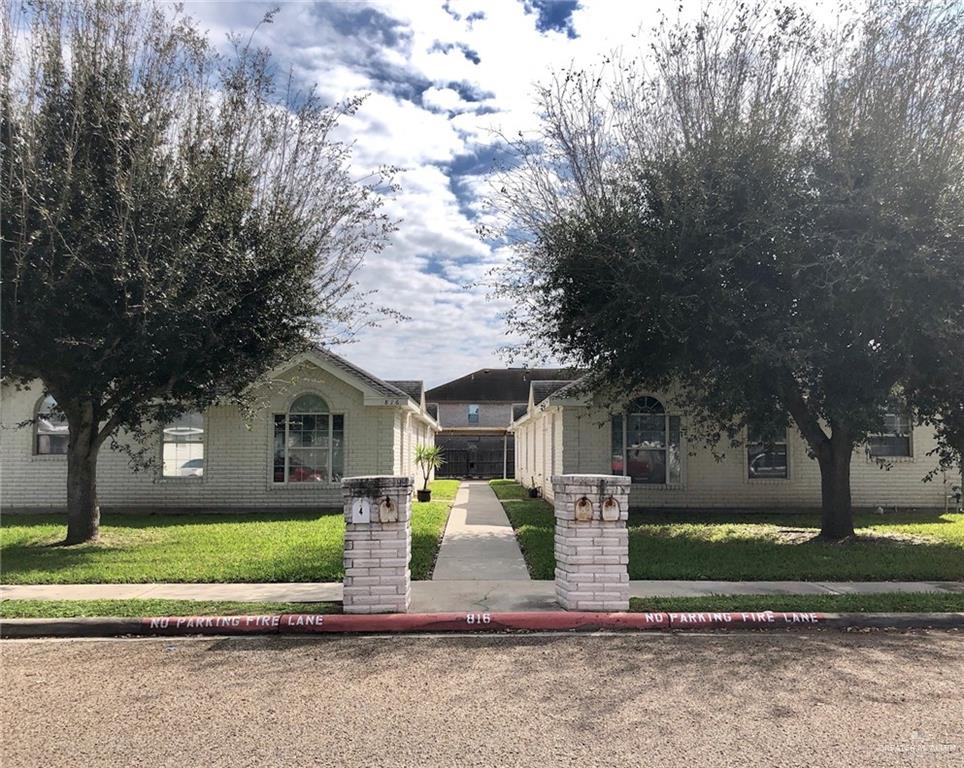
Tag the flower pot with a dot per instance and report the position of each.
(533, 493)
(423, 495)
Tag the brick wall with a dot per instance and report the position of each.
(453, 415)
(582, 445)
(238, 456)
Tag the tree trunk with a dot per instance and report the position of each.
(83, 512)
(837, 519)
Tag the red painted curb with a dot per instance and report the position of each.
(469, 623)
(526, 621)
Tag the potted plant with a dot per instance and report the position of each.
(534, 490)
(428, 458)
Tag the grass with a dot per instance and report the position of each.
(758, 547)
(888, 602)
(66, 609)
(263, 547)
(428, 525)
(534, 525)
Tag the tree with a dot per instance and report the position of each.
(766, 214)
(174, 221)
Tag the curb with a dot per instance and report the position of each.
(471, 623)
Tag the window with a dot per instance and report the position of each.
(52, 433)
(309, 443)
(473, 414)
(182, 447)
(894, 438)
(646, 444)
(765, 458)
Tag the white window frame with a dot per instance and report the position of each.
(286, 483)
(178, 478)
(667, 414)
(35, 454)
(909, 457)
(765, 480)
(468, 413)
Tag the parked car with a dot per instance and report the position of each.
(192, 468)
(769, 464)
(297, 472)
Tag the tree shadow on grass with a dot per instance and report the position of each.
(643, 516)
(128, 553)
(669, 552)
(141, 519)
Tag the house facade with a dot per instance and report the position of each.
(318, 418)
(475, 412)
(564, 430)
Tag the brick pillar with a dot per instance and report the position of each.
(592, 543)
(378, 544)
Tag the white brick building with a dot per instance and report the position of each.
(565, 432)
(319, 419)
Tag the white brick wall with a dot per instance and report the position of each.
(238, 456)
(378, 553)
(455, 415)
(583, 446)
(591, 542)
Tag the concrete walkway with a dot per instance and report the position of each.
(460, 594)
(479, 543)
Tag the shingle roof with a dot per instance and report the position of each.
(383, 387)
(432, 409)
(542, 389)
(495, 385)
(571, 388)
(410, 387)
(518, 410)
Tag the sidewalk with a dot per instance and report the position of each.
(456, 594)
(479, 543)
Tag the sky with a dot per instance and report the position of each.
(444, 80)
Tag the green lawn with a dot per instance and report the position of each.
(65, 609)
(263, 547)
(534, 525)
(876, 603)
(758, 546)
(428, 525)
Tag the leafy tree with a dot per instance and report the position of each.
(764, 213)
(174, 221)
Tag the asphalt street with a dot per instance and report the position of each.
(816, 698)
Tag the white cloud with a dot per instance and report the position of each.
(445, 99)
(440, 87)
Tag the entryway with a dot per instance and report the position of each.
(480, 566)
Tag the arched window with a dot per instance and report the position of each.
(51, 432)
(646, 443)
(308, 442)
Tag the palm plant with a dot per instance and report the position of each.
(428, 458)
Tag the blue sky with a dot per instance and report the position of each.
(443, 79)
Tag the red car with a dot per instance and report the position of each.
(297, 472)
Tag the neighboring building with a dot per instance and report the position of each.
(475, 411)
(564, 430)
(318, 419)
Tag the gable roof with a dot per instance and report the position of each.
(412, 388)
(383, 387)
(494, 385)
(542, 389)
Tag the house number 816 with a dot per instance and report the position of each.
(478, 618)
